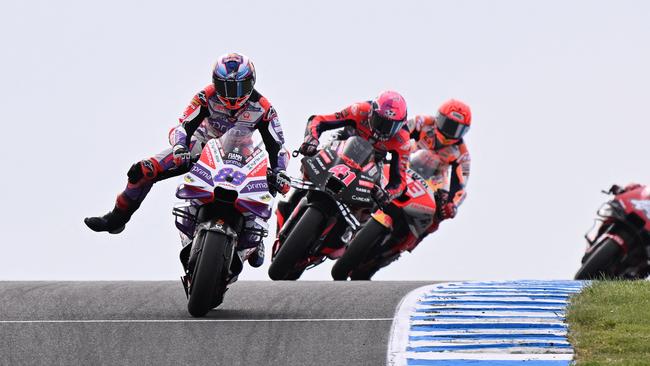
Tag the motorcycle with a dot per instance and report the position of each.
(397, 227)
(227, 182)
(336, 195)
(619, 241)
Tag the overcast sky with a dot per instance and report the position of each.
(558, 90)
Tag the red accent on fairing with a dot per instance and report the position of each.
(325, 157)
(351, 163)
(618, 241)
(259, 170)
(639, 193)
(368, 166)
(207, 158)
(333, 253)
(365, 183)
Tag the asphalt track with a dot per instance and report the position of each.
(146, 323)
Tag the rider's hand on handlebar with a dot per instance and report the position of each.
(380, 196)
(309, 147)
(448, 211)
(181, 155)
(279, 181)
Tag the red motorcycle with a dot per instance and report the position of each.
(398, 227)
(619, 242)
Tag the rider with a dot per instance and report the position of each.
(230, 99)
(379, 121)
(443, 135)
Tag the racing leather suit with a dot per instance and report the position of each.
(355, 119)
(206, 118)
(455, 156)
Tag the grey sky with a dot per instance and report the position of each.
(558, 90)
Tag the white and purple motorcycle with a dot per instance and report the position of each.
(228, 183)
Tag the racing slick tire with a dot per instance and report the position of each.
(358, 249)
(296, 245)
(210, 272)
(597, 263)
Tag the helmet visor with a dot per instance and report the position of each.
(233, 88)
(450, 128)
(384, 128)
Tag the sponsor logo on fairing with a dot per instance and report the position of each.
(202, 173)
(362, 199)
(256, 186)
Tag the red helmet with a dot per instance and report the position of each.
(234, 78)
(387, 115)
(453, 121)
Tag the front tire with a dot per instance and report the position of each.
(209, 276)
(597, 263)
(358, 249)
(294, 248)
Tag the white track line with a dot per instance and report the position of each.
(73, 321)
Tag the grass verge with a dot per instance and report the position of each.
(609, 324)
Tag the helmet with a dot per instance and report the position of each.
(425, 163)
(453, 121)
(233, 78)
(387, 115)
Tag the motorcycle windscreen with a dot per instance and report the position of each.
(358, 150)
(237, 144)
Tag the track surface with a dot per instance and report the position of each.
(146, 323)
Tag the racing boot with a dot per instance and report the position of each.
(257, 258)
(113, 222)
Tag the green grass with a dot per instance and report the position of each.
(609, 323)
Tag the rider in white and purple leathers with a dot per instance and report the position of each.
(231, 99)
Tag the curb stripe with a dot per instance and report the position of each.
(509, 323)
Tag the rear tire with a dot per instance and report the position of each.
(209, 276)
(597, 263)
(358, 249)
(294, 248)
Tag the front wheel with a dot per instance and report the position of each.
(210, 272)
(597, 263)
(358, 249)
(294, 248)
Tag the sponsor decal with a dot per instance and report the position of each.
(362, 199)
(265, 197)
(256, 186)
(235, 156)
(642, 205)
(188, 178)
(311, 164)
(206, 157)
(246, 115)
(362, 190)
(365, 183)
(202, 173)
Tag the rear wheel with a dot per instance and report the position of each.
(209, 276)
(358, 249)
(295, 247)
(596, 265)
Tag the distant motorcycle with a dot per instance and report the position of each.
(338, 183)
(619, 242)
(228, 181)
(396, 228)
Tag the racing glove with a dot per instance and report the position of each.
(448, 211)
(309, 147)
(181, 155)
(380, 196)
(279, 180)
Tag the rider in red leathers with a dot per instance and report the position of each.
(381, 122)
(443, 135)
(230, 99)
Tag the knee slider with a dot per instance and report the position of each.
(144, 169)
